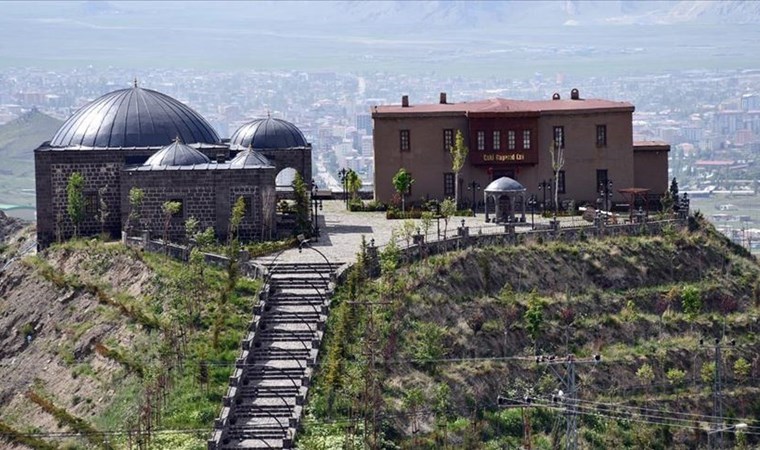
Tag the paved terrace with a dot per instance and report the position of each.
(341, 232)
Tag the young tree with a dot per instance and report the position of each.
(448, 209)
(238, 213)
(534, 318)
(402, 182)
(301, 204)
(170, 209)
(268, 205)
(353, 184)
(103, 208)
(558, 162)
(136, 197)
(75, 200)
(459, 153)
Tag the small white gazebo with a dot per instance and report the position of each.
(510, 188)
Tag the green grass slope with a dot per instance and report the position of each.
(18, 139)
(420, 360)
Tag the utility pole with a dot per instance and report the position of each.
(569, 397)
(715, 436)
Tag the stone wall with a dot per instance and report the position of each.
(296, 158)
(53, 168)
(208, 195)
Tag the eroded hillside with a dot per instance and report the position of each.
(92, 332)
(452, 333)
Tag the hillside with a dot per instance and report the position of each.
(452, 333)
(18, 139)
(95, 337)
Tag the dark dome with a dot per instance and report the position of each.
(267, 134)
(249, 158)
(133, 117)
(177, 154)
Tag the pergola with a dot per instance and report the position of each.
(505, 186)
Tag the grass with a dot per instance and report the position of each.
(471, 297)
(153, 350)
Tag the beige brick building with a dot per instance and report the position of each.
(512, 138)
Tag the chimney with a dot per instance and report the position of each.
(405, 101)
(443, 98)
(575, 95)
(555, 96)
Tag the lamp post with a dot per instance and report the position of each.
(316, 205)
(532, 204)
(435, 207)
(343, 173)
(605, 190)
(545, 186)
(474, 187)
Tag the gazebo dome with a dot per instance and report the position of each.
(134, 117)
(267, 134)
(177, 154)
(249, 158)
(504, 185)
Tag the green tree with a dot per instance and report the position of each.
(136, 198)
(103, 212)
(448, 209)
(301, 204)
(645, 373)
(191, 228)
(75, 200)
(675, 376)
(238, 213)
(691, 302)
(170, 209)
(353, 184)
(707, 372)
(402, 182)
(534, 318)
(742, 368)
(459, 153)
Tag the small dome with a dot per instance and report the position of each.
(133, 117)
(249, 158)
(266, 134)
(505, 184)
(177, 154)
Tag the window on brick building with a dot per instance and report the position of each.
(91, 204)
(561, 182)
(511, 139)
(526, 139)
(405, 141)
(448, 139)
(497, 140)
(481, 140)
(448, 184)
(601, 135)
(181, 213)
(559, 137)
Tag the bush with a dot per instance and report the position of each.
(373, 205)
(394, 214)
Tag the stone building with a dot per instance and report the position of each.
(511, 138)
(142, 138)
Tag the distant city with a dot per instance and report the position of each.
(710, 118)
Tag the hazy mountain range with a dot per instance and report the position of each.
(331, 34)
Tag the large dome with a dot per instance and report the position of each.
(265, 134)
(134, 117)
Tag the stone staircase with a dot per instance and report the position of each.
(263, 404)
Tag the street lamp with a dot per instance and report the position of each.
(316, 205)
(343, 174)
(605, 190)
(474, 187)
(545, 186)
(532, 203)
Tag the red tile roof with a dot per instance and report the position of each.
(501, 105)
